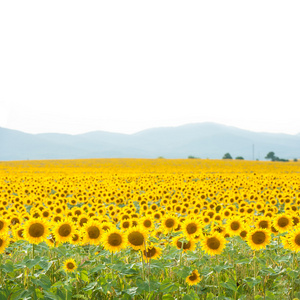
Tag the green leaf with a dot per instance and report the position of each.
(230, 285)
(168, 287)
(168, 297)
(8, 267)
(252, 281)
(84, 276)
(30, 263)
(210, 296)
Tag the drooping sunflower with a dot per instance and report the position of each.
(64, 230)
(151, 252)
(136, 237)
(193, 278)
(91, 232)
(4, 242)
(283, 222)
(70, 265)
(258, 238)
(113, 240)
(191, 227)
(213, 244)
(184, 243)
(36, 230)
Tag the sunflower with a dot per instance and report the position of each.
(263, 222)
(125, 224)
(294, 239)
(151, 252)
(70, 265)
(63, 231)
(3, 226)
(35, 230)
(136, 237)
(4, 242)
(18, 233)
(258, 238)
(191, 227)
(283, 222)
(213, 244)
(169, 222)
(147, 223)
(193, 278)
(183, 243)
(234, 226)
(91, 232)
(113, 240)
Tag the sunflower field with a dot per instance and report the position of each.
(149, 229)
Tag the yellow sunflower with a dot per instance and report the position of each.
(151, 252)
(136, 237)
(213, 244)
(63, 231)
(234, 225)
(183, 243)
(113, 240)
(294, 239)
(191, 227)
(4, 242)
(193, 278)
(36, 230)
(258, 238)
(169, 222)
(3, 225)
(91, 232)
(70, 265)
(283, 222)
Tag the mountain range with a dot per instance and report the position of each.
(203, 140)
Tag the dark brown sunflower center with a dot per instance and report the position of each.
(191, 228)
(213, 243)
(64, 230)
(83, 221)
(170, 223)
(297, 239)
(183, 245)
(93, 232)
(14, 221)
(1, 242)
(1, 224)
(283, 221)
(147, 223)
(70, 266)
(136, 238)
(263, 224)
(36, 230)
(75, 237)
(20, 232)
(114, 239)
(235, 225)
(258, 237)
(243, 233)
(150, 252)
(193, 277)
(126, 224)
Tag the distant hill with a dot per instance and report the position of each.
(204, 140)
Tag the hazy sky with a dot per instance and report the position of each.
(124, 66)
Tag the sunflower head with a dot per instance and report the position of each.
(136, 237)
(70, 265)
(258, 238)
(36, 230)
(213, 243)
(113, 240)
(193, 278)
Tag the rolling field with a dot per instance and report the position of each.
(149, 229)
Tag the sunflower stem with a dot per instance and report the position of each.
(112, 261)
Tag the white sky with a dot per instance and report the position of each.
(124, 66)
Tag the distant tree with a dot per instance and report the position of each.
(295, 159)
(192, 157)
(160, 157)
(270, 155)
(227, 156)
(239, 157)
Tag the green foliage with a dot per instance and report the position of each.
(227, 156)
